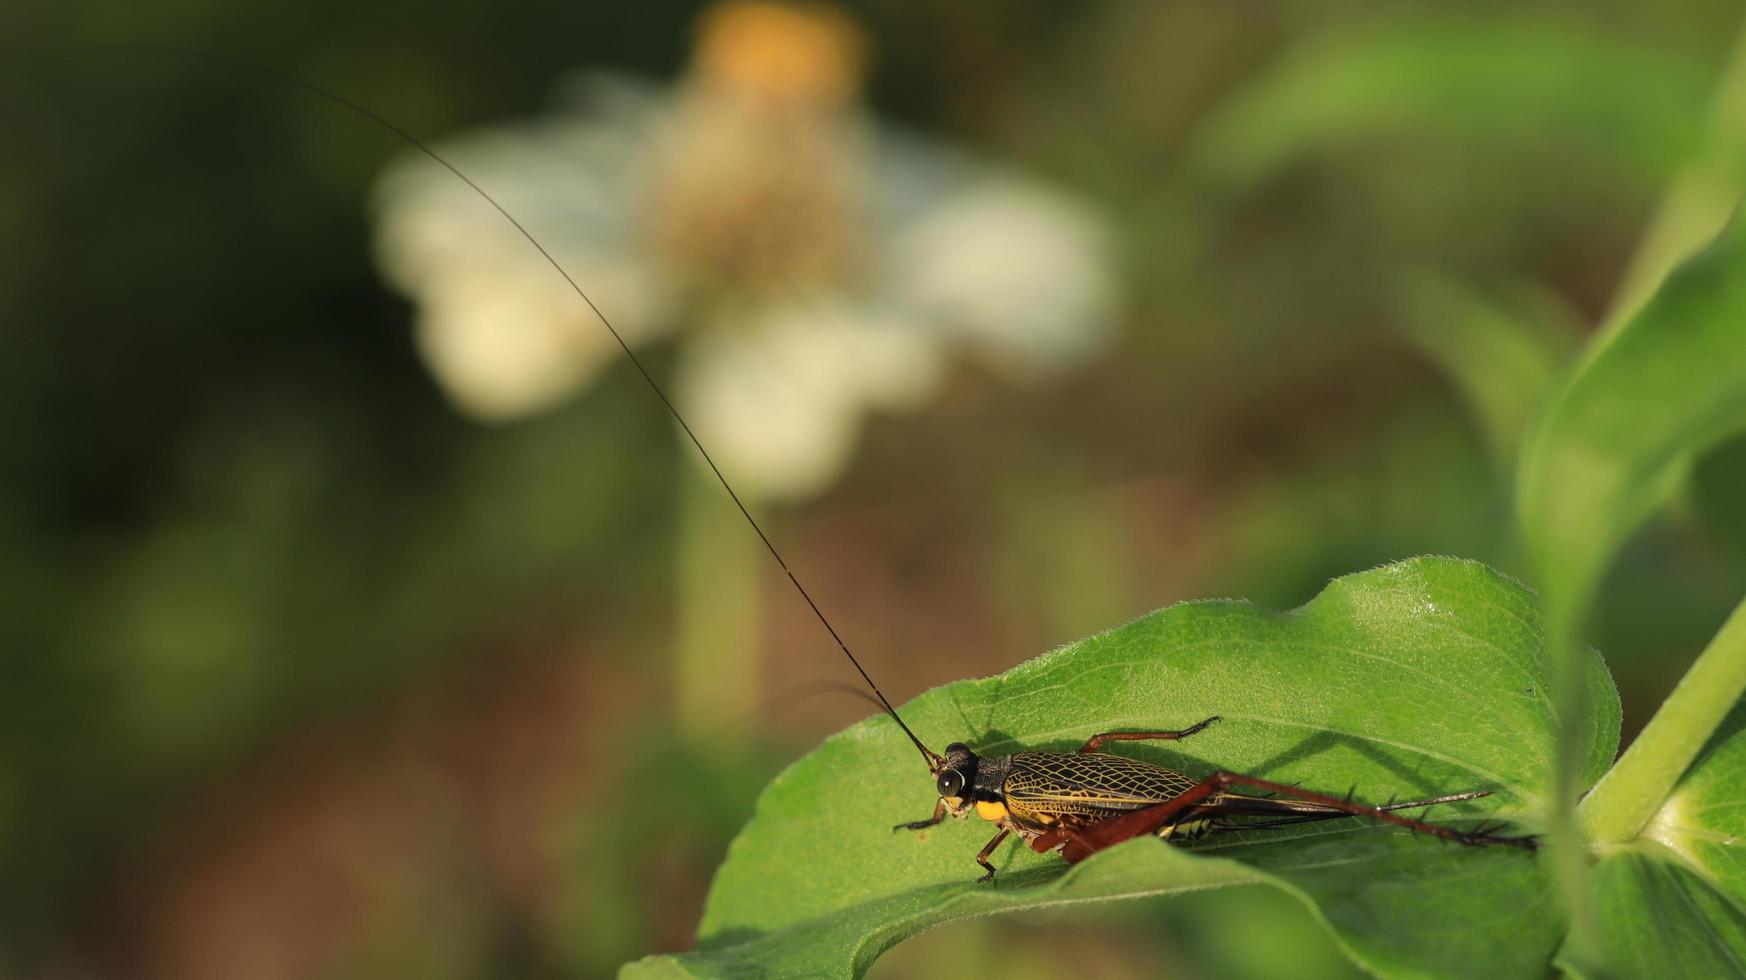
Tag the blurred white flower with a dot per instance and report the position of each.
(814, 267)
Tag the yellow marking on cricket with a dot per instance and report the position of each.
(1188, 830)
(991, 812)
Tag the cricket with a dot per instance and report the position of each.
(1075, 804)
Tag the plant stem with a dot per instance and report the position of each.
(1567, 850)
(717, 667)
(1633, 790)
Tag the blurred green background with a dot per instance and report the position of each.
(307, 675)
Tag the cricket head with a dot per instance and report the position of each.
(954, 775)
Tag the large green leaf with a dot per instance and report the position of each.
(1414, 679)
(1673, 903)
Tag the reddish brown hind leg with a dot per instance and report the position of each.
(1092, 744)
(982, 858)
(1137, 823)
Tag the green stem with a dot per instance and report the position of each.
(718, 666)
(1629, 795)
(1566, 848)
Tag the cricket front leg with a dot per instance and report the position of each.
(1094, 742)
(939, 815)
(982, 858)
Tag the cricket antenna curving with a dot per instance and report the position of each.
(933, 760)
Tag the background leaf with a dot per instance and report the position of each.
(1450, 662)
(1501, 355)
(1718, 484)
(1495, 79)
(1666, 386)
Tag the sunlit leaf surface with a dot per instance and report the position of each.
(1418, 678)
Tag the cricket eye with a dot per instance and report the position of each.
(951, 783)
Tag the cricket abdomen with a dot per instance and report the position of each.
(1186, 829)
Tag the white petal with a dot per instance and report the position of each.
(505, 346)
(501, 329)
(779, 401)
(1019, 272)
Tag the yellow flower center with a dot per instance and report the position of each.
(783, 52)
(759, 184)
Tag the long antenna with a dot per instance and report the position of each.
(928, 755)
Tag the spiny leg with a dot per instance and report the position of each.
(1092, 743)
(1473, 838)
(982, 858)
(939, 815)
(1136, 823)
(1287, 812)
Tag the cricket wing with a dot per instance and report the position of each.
(1050, 785)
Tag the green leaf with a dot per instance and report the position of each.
(1658, 919)
(1501, 356)
(1667, 385)
(1704, 818)
(1718, 484)
(1702, 196)
(1673, 903)
(1418, 678)
(1496, 77)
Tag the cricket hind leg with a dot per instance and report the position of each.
(1094, 742)
(1287, 812)
(1331, 806)
(1201, 800)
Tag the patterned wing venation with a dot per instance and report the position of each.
(1089, 784)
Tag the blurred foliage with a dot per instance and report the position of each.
(244, 544)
